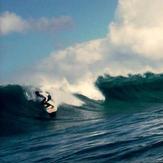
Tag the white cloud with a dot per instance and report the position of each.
(52, 24)
(139, 27)
(10, 22)
(133, 44)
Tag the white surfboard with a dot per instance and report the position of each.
(51, 109)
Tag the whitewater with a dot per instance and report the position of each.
(125, 126)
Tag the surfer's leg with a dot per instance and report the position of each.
(47, 104)
(43, 101)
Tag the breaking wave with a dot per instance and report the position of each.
(133, 88)
(19, 113)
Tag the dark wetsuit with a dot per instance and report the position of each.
(44, 101)
(46, 104)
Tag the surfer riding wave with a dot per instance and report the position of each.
(45, 99)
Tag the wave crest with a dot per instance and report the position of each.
(147, 87)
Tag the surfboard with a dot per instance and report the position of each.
(51, 109)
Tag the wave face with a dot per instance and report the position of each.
(134, 88)
(17, 113)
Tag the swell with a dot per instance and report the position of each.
(147, 88)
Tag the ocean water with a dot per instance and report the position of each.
(126, 127)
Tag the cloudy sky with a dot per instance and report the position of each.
(32, 29)
(67, 44)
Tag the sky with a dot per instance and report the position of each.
(65, 45)
(22, 47)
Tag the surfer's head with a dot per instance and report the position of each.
(37, 92)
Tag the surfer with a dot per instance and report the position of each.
(45, 100)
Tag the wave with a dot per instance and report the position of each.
(18, 113)
(147, 87)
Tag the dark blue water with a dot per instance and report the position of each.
(119, 130)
